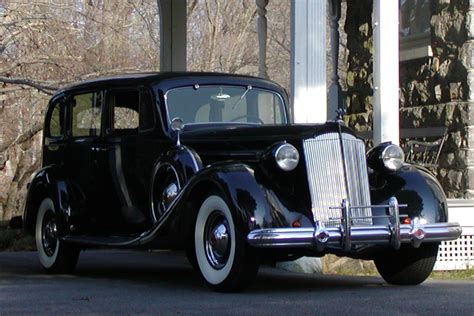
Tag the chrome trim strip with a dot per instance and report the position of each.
(305, 237)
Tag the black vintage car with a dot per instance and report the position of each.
(212, 164)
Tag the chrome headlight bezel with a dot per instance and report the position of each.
(393, 157)
(287, 157)
(386, 157)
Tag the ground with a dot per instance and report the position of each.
(129, 282)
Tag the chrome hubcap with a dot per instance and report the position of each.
(217, 240)
(166, 192)
(49, 234)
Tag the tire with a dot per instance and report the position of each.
(409, 265)
(225, 261)
(55, 256)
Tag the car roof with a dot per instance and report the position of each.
(156, 77)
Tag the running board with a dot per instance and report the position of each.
(114, 241)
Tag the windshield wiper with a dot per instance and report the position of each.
(242, 96)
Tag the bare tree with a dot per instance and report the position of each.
(45, 45)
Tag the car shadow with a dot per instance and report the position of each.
(171, 269)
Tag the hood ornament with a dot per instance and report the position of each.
(340, 112)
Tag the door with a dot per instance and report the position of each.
(86, 160)
(134, 146)
(54, 133)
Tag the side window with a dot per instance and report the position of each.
(130, 110)
(56, 124)
(269, 107)
(146, 113)
(86, 114)
(123, 105)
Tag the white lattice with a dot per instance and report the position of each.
(457, 254)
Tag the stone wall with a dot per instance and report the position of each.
(434, 91)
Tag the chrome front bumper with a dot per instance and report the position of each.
(345, 236)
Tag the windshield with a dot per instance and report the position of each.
(225, 104)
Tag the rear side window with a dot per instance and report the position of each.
(86, 114)
(56, 125)
(130, 111)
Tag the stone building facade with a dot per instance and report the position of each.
(436, 89)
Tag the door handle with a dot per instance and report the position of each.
(53, 147)
(99, 149)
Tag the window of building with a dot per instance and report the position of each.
(415, 29)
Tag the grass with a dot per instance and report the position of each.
(365, 268)
(15, 239)
(454, 275)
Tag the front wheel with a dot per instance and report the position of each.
(409, 265)
(55, 256)
(224, 259)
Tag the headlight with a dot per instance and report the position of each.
(393, 157)
(287, 157)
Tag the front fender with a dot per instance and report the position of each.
(415, 187)
(47, 182)
(253, 205)
(184, 159)
(237, 184)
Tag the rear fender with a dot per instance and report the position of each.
(47, 182)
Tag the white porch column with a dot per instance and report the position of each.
(308, 60)
(386, 71)
(172, 35)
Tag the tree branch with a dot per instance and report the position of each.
(30, 83)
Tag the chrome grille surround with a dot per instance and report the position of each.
(326, 165)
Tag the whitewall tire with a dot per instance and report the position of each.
(224, 259)
(55, 256)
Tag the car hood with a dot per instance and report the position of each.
(245, 143)
(241, 132)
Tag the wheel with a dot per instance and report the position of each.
(225, 261)
(55, 256)
(409, 265)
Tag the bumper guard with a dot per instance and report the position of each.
(346, 235)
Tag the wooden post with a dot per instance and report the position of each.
(172, 35)
(262, 37)
(335, 93)
(386, 72)
(308, 61)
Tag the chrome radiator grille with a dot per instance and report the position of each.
(326, 167)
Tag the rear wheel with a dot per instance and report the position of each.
(55, 256)
(224, 259)
(409, 265)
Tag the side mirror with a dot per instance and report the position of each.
(177, 125)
